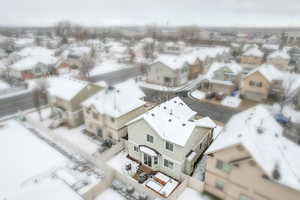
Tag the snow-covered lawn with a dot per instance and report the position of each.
(230, 101)
(197, 94)
(26, 165)
(110, 194)
(191, 194)
(73, 136)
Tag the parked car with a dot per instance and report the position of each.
(220, 96)
(210, 95)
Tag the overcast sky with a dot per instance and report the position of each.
(173, 12)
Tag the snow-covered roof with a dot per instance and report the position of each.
(79, 51)
(172, 121)
(35, 51)
(280, 54)
(172, 61)
(204, 52)
(262, 136)
(22, 42)
(118, 100)
(65, 88)
(30, 62)
(271, 46)
(234, 67)
(30, 159)
(270, 72)
(254, 52)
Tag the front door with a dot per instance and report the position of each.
(147, 160)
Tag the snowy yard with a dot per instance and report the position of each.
(73, 136)
(190, 194)
(230, 101)
(107, 67)
(110, 194)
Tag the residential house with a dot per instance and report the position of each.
(292, 38)
(65, 98)
(253, 56)
(174, 47)
(222, 78)
(196, 68)
(252, 160)
(261, 82)
(279, 59)
(32, 67)
(167, 139)
(168, 70)
(107, 112)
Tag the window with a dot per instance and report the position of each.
(150, 138)
(135, 148)
(155, 160)
(220, 185)
(112, 119)
(223, 166)
(169, 146)
(95, 115)
(243, 197)
(167, 79)
(168, 164)
(252, 83)
(258, 84)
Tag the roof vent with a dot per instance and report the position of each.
(170, 120)
(260, 130)
(276, 173)
(239, 135)
(152, 114)
(183, 124)
(165, 107)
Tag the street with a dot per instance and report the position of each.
(11, 105)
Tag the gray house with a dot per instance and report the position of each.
(166, 139)
(168, 70)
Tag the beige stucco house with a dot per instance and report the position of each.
(65, 98)
(252, 160)
(168, 70)
(260, 82)
(279, 59)
(107, 112)
(166, 139)
(222, 78)
(253, 56)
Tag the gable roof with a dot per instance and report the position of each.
(262, 136)
(254, 52)
(118, 100)
(270, 72)
(174, 62)
(280, 54)
(171, 121)
(30, 62)
(234, 67)
(65, 88)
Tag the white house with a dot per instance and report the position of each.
(107, 112)
(167, 139)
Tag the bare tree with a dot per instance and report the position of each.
(39, 95)
(87, 64)
(132, 56)
(189, 33)
(148, 50)
(288, 93)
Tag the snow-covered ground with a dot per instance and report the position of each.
(230, 101)
(191, 194)
(110, 194)
(200, 169)
(197, 94)
(3, 85)
(73, 136)
(119, 161)
(35, 170)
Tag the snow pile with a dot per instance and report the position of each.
(230, 101)
(198, 94)
(262, 136)
(192, 194)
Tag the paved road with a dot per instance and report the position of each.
(12, 105)
(215, 112)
